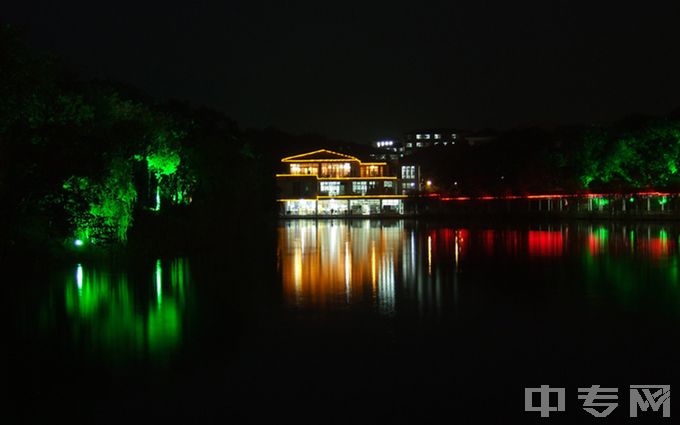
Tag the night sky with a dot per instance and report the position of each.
(360, 71)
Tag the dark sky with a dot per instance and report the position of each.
(365, 70)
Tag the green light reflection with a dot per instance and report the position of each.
(597, 240)
(159, 282)
(615, 280)
(109, 313)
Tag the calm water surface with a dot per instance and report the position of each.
(352, 321)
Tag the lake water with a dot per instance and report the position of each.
(352, 321)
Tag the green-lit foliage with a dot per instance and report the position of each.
(115, 199)
(84, 161)
(163, 161)
(643, 157)
(102, 210)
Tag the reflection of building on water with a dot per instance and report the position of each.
(329, 264)
(407, 264)
(415, 267)
(332, 263)
(109, 313)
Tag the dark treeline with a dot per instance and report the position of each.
(637, 153)
(99, 164)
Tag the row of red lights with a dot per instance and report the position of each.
(554, 196)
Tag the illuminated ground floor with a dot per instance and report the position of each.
(342, 207)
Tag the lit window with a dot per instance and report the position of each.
(422, 136)
(360, 187)
(331, 188)
(437, 136)
(335, 169)
(371, 171)
(304, 168)
(408, 172)
(419, 144)
(388, 184)
(409, 145)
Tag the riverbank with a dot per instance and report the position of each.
(171, 233)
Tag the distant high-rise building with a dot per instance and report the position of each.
(431, 137)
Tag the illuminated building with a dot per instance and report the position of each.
(327, 183)
(429, 138)
(424, 139)
(450, 138)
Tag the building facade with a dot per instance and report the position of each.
(421, 140)
(327, 183)
(410, 178)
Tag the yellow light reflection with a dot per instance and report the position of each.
(429, 255)
(329, 262)
(456, 249)
(297, 268)
(348, 271)
(373, 265)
